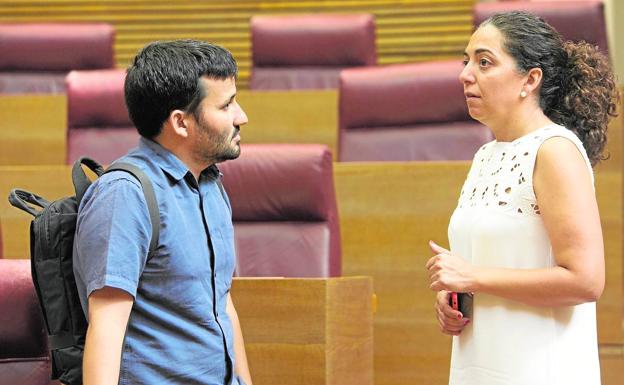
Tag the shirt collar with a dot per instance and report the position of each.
(170, 163)
(164, 158)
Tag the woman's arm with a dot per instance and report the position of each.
(568, 207)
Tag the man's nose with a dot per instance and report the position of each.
(241, 117)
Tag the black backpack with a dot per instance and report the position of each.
(51, 246)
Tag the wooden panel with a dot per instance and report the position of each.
(350, 344)
(28, 138)
(274, 117)
(301, 331)
(387, 216)
(33, 129)
(50, 182)
(612, 364)
(290, 117)
(407, 30)
(388, 213)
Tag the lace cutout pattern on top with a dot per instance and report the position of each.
(501, 175)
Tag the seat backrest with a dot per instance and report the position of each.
(36, 57)
(284, 210)
(96, 99)
(574, 20)
(56, 47)
(406, 112)
(308, 51)
(98, 122)
(23, 340)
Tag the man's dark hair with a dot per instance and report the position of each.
(165, 76)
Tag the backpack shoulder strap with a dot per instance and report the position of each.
(150, 197)
(79, 178)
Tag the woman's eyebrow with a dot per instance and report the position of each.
(480, 50)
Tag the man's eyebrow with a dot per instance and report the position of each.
(483, 50)
(227, 101)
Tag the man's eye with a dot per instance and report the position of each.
(484, 62)
(465, 61)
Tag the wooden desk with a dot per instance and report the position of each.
(302, 331)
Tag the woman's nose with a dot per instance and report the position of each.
(466, 76)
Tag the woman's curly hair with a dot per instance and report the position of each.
(578, 87)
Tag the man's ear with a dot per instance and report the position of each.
(178, 121)
(533, 80)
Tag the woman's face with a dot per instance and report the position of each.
(492, 83)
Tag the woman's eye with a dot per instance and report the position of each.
(465, 61)
(484, 62)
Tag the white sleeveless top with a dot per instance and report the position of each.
(497, 223)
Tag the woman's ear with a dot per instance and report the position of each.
(179, 123)
(533, 80)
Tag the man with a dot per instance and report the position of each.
(182, 327)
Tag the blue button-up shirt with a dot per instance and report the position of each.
(179, 331)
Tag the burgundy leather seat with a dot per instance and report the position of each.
(36, 57)
(406, 112)
(574, 20)
(98, 121)
(23, 341)
(308, 51)
(284, 210)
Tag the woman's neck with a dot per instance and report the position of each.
(516, 125)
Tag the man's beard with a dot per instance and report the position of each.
(226, 150)
(221, 148)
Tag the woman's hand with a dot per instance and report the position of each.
(451, 321)
(449, 272)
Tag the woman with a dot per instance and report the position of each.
(526, 237)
